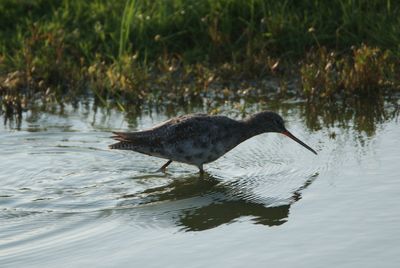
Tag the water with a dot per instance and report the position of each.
(66, 200)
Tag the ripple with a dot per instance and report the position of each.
(64, 195)
(261, 171)
(74, 173)
(42, 232)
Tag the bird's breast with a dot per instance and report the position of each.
(198, 151)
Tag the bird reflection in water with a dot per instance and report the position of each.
(195, 204)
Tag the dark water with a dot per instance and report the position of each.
(66, 200)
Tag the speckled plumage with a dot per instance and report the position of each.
(197, 139)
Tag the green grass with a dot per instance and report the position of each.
(221, 30)
(133, 49)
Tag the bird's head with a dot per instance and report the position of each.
(272, 122)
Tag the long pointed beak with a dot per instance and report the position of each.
(290, 135)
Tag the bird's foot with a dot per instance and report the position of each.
(163, 170)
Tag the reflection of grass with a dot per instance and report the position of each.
(362, 115)
(137, 51)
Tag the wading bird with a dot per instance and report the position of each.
(197, 139)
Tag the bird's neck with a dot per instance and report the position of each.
(250, 128)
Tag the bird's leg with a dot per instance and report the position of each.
(201, 170)
(162, 169)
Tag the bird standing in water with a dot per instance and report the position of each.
(197, 139)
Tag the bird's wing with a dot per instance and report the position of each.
(200, 127)
(182, 126)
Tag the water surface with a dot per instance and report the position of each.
(66, 200)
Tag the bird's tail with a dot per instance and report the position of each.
(125, 136)
(126, 141)
(123, 145)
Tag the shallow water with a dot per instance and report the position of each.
(66, 200)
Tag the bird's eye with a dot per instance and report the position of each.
(279, 123)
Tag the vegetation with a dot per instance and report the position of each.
(137, 51)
